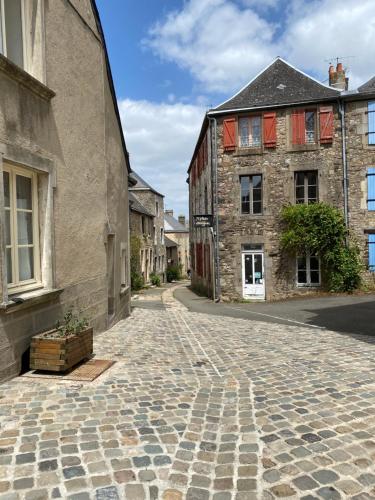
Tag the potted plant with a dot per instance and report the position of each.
(66, 345)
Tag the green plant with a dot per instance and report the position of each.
(72, 324)
(174, 273)
(319, 229)
(137, 281)
(155, 279)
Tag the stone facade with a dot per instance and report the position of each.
(141, 228)
(178, 232)
(278, 166)
(153, 202)
(79, 166)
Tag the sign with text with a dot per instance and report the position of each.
(203, 220)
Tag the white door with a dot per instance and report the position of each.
(253, 275)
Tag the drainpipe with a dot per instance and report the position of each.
(214, 176)
(344, 162)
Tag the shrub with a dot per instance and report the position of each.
(174, 273)
(137, 281)
(155, 279)
(320, 230)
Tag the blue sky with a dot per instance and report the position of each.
(172, 59)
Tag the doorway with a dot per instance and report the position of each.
(253, 282)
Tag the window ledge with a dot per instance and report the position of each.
(124, 290)
(248, 151)
(17, 74)
(29, 299)
(303, 147)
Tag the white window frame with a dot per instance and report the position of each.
(24, 31)
(20, 286)
(308, 272)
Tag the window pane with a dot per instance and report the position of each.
(244, 131)
(257, 207)
(26, 263)
(6, 187)
(25, 228)
(249, 269)
(312, 178)
(13, 23)
(312, 193)
(9, 265)
(245, 195)
(257, 194)
(314, 276)
(371, 122)
(257, 181)
(7, 228)
(314, 263)
(302, 277)
(300, 178)
(301, 263)
(258, 269)
(300, 194)
(23, 187)
(310, 126)
(255, 131)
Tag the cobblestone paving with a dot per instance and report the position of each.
(198, 407)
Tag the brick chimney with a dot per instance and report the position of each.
(182, 220)
(168, 212)
(337, 78)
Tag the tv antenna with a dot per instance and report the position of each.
(338, 58)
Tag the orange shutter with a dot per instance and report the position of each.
(269, 130)
(298, 127)
(326, 124)
(229, 134)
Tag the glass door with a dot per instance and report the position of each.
(253, 275)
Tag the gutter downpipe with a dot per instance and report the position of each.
(215, 207)
(345, 162)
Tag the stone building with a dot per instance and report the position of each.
(178, 231)
(141, 235)
(279, 141)
(172, 252)
(153, 202)
(64, 175)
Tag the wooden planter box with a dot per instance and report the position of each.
(60, 354)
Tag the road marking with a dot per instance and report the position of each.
(278, 317)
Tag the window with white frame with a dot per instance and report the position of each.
(250, 134)
(12, 29)
(308, 270)
(21, 228)
(306, 187)
(124, 266)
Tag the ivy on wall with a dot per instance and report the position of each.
(137, 281)
(319, 229)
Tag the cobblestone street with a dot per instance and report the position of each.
(198, 407)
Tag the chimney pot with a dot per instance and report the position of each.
(339, 68)
(331, 70)
(182, 220)
(168, 212)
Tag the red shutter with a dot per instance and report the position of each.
(326, 124)
(269, 130)
(229, 134)
(298, 127)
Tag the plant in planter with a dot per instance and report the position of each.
(63, 347)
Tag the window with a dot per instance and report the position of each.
(21, 227)
(124, 266)
(371, 252)
(310, 127)
(251, 194)
(143, 225)
(371, 189)
(250, 132)
(308, 271)
(162, 236)
(157, 209)
(12, 30)
(371, 122)
(306, 187)
(155, 236)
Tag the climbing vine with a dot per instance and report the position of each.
(137, 281)
(319, 229)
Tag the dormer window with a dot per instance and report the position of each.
(12, 30)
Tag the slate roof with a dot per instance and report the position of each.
(169, 243)
(368, 86)
(136, 206)
(141, 184)
(279, 83)
(171, 225)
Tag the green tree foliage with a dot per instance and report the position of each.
(174, 273)
(319, 229)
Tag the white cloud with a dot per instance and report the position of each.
(161, 138)
(223, 45)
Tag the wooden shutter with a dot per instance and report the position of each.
(326, 124)
(269, 130)
(298, 127)
(371, 252)
(229, 134)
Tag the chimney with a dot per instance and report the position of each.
(182, 220)
(168, 212)
(337, 78)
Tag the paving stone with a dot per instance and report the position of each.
(72, 472)
(23, 483)
(134, 492)
(109, 493)
(305, 483)
(325, 476)
(197, 494)
(283, 490)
